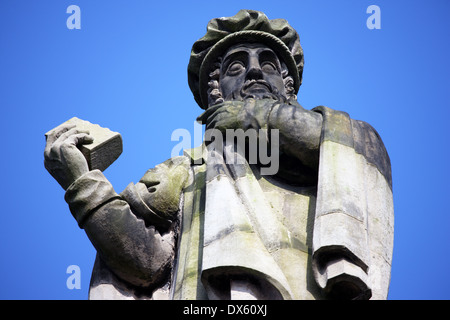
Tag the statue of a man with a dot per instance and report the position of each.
(201, 226)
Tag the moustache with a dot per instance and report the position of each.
(252, 82)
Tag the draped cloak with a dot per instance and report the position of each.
(287, 241)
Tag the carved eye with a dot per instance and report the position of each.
(235, 68)
(268, 67)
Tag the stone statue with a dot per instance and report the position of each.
(205, 226)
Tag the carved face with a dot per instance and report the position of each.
(251, 70)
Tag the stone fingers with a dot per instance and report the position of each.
(205, 115)
(79, 138)
(55, 134)
(64, 137)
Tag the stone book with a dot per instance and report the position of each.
(105, 149)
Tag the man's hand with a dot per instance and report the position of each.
(226, 115)
(62, 158)
(246, 114)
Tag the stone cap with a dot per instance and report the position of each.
(245, 26)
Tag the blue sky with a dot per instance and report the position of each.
(126, 69)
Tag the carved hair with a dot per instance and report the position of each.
(288, 84)
(215, 95)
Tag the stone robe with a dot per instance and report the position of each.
(195, 224)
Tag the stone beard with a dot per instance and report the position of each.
(254, 86)
(200, 226)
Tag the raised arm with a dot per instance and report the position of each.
(131, 231)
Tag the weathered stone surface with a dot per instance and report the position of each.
(104, 150)
(212, 224)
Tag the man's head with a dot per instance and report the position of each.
(249, 70)
(243, 56)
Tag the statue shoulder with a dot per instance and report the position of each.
(156, 197)
(165, 183)
(339, 127)
(367, 141)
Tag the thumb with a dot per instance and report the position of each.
(80, 138)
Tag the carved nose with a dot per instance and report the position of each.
(254, 72)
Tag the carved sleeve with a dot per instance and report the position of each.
(299, 132)
(132, 237)
(353, 196)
